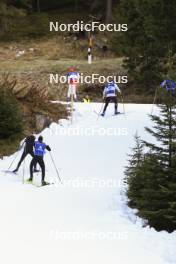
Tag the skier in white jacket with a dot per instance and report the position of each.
(110, 95)
(73, 80)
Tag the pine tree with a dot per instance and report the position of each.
(164, 131)
(163, 214)
(133, 177)
(10, 116)
(7, 13)
(152, 203)
(149, 44)
(155, 177)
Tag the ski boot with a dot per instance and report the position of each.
(29, 180)
(44, 183)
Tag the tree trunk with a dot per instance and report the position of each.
(108, 11)
(94, 5)
(76, 5)
(38, 6)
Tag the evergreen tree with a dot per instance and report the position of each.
(149, 44)
(155, 175)
(152, 203)
(7, 13)
(164, 131)
(10, 117)
(133, 177)
(20, 3)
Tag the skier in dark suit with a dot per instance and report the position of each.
(28, 149)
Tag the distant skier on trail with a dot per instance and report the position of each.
(110, 95)
(39, 151)
(86, 99)
(28, 149)
(73, 80)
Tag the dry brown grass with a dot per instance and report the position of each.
(55, 48)
(33, 100)
(53, 56)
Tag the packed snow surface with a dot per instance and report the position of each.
(85, 219)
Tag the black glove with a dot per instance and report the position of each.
(48, 148)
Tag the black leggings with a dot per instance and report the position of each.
(108, 100)
(40, 161)
(25, 153)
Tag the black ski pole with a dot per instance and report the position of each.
(123, 103)
(100, 111)
(55, 167)
(18, 152)
(13, 161)
(24, 166)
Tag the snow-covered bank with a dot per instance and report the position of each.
(85, 220)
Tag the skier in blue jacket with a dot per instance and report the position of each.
(110, 95)
(39, 151)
